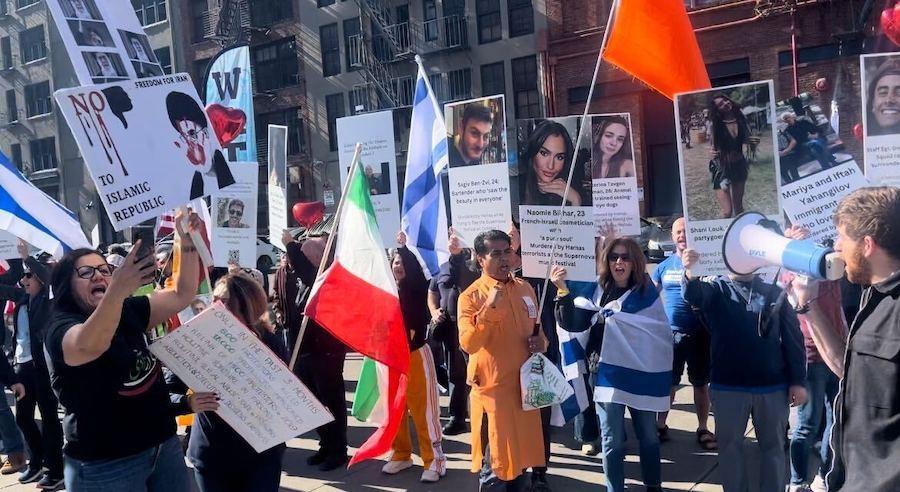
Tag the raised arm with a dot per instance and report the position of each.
(476, 319)
(165, 304)
(831, 342)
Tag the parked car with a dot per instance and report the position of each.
(656, 241)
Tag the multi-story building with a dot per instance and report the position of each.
(793, 43)
(315, 61)
(34, 64)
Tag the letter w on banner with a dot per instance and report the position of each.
(654, 41)
(424, 216)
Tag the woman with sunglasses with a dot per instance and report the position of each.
(623, 316)
(119, 426)
(32, 298)
(222, 459)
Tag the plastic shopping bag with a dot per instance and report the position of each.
(542, 383)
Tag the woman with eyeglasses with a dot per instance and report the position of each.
(119, 425)
(621, 322)
(222, 459)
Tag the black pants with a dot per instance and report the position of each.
(323, 374)
(448, 344)
(45, 442)
(261, 476)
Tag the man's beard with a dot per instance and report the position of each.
(859, 271)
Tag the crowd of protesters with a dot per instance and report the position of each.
(753, 347)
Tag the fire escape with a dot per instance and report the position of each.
(380, 52)
(229, 23)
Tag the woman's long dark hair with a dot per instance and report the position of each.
(638, 277)
(624, 154)
(61, 280)
(719, 129)
(412, 290)
(536, 140)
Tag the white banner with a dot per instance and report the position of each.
(147, 144)
(810, 202)
(575, 249)
(277, 187)
(478, 173)
(378, 161)
(104, 40)
(881, 117)
(260, 398)
(234, 213)
(8, 246)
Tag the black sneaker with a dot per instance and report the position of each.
(50, 483)
(316, 459)
(539, 482)
(333, 462)
(455, 427)
(31, 475)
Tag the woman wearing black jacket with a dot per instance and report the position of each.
(223, 461)
(29, 328)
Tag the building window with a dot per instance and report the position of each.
(276, 65)
(31, 41)
(199, 77)
(15, 151)
(6, 49)
(291, 119)
(437, 86)
(429, 14)
(12, 108)
(525, 87)
(164, 55)
(4, 8)
(823, 52)
(199, 19)
(331, 50)
(460, 82)
(268, 12)
(149, 11)
(43, 154)
(493, 79)
(37, 99)
(359, 99)
(323, 3)
(334, 109)
(351, 29)
(489, 28)
(521, 17)
(21, 4)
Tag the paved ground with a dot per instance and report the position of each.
(684, 465)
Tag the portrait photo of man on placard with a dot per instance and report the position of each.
(477, 132)
(883, 96)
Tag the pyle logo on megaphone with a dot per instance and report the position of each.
(752, 241)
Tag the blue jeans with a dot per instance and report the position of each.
(9, 432)
(612, 430)
(158, 469)
(821, 388)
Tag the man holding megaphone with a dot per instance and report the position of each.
(866, 434)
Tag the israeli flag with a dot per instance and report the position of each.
(424, 216)
(30, 214)
(573, 364)
(636, 357)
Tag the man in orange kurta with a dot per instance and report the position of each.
(497, 315)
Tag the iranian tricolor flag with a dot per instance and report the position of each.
(356, 300)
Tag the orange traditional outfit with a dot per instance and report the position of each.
(496, 341)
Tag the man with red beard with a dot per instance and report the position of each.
(866, 435)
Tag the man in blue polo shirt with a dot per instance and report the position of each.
(691, 339)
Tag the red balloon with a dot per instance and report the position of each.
(890, 23)
(858, 131)
(227, 122)
(308, 214)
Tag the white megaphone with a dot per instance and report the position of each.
(752, 241)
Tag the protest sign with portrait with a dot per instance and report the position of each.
(881, 117)
(277, 186)
(234, 211)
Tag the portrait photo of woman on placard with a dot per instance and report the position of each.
(611, 150)
(546, 159)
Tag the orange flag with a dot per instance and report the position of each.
(654, 41)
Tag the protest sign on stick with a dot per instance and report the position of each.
(277, 186)
(147, 144)
(234, 212)
(478, 174)
(260, 398)
(378, 161)
(104, 40)
(881, 117)
(728, 163)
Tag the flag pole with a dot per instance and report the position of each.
(562, 207)
(329, 244)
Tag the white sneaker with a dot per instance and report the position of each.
(798, 488)
(394, 467)
(430, 476)
(818, 484)
(590, 449)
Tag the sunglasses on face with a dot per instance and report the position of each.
(88, 271)
(614, 257)
(28, 275)
(235, 212)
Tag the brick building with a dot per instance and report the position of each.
(741, 41)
